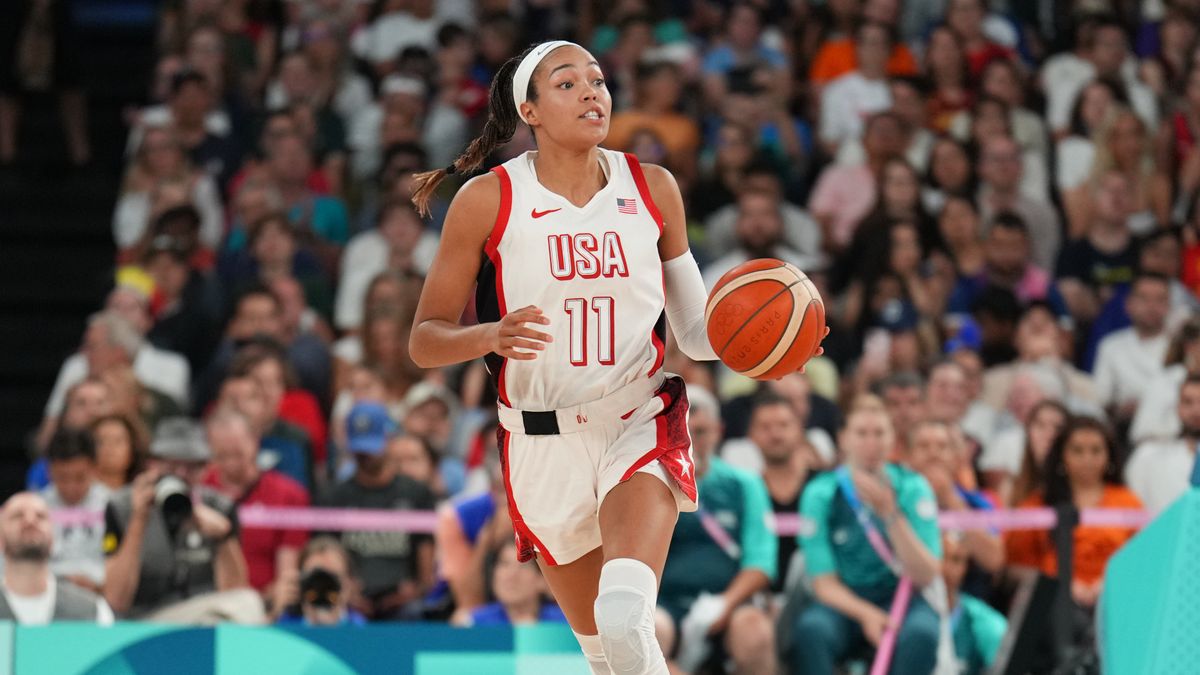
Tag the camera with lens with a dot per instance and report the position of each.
(320, 588)
(173, 497)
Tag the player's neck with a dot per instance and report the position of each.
(575, 176)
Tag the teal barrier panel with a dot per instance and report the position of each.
(396, 649)
(1150, 607)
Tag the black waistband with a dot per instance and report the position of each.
(540, 423)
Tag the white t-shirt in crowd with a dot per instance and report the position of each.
(744, 454)
(847, 102)
(1157, 414)
(79, 549)
(159, 369)
(1159, 472)
(365, 257)
(1125, 365)
(37, 610)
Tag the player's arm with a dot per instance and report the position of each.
(437, 338)
(686, 295)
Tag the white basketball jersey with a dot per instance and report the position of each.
(594, 271)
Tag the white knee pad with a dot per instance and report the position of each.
(625, 618)
(593, 651)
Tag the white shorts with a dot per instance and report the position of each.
(557, 482)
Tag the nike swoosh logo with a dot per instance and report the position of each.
(538, 214)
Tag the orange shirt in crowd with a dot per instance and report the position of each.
(836, 58)
(678, 133)
(1093, 545)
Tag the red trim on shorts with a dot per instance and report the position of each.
(492, 249)
(673, 443)
(525, 538)
(660, 350)
(639, 179)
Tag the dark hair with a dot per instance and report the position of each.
(906, 379)
(69, 444)
(1032, 476)
(1058, 485)
(396, 205)
(918, 83)
(257, 288)
(1010, 220)
(256, 228)
(325, 543)
(184, 213)
(999, 303)
(888, 31)
(1150, 276)
(185, 77)
(1186, 334)
(259, 350)
(767, 398)
(1077, 126)
(499, 128)
(450, 33)
(139, 440)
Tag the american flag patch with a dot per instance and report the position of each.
(627, 206)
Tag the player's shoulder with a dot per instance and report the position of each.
(659, 179)
(475, 208)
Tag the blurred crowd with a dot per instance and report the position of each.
(995, 199)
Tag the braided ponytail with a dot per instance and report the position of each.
(499, 129)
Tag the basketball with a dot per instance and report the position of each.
(765, 318)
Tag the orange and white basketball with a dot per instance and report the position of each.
(765, 318)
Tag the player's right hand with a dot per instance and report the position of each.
(511, 334)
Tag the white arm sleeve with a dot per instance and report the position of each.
(686, 299)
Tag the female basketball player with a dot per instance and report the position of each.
(576, 251)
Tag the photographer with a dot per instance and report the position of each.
(169, 539)
(319, 593)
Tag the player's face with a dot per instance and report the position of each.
(573, 104)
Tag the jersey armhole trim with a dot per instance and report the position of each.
(639, 178)
(491, 247)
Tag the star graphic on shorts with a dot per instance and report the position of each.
(687, 466)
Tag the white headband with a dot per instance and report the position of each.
(527, 66)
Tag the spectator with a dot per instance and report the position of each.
(274, 252)
(852, 585)
(951, 172)
(969, 21)
(1090, 267)
(742, 45)
(259, 313)
(903, 396)
(1046, 422)
(115, 337)
(1097, 102)
(31, 593)
(319, 220)
(413, 24)
(432, 414)
(656, 107)
(121, 448)
(735, 150)
(469, 529)
(962, 234)
(187, 303)
(399, 244)
(1128, 359)
(1159, 471)
(265, 362)
(234, 472)
(720, 558)
(1156, 415)
(160, 160)
(204, 130)
(978, 629)
(936, 451)
(844, 194)
(1123, 145)
(947, 69)
(169, 539)
(284, 446)
(1000, 190)
(1083, 470)
(1040, 340)
(319, 593)
(405, 114)
(78, 556)
(520, 594)
(1007, 265)
(853, 97)
(1104, 55)
(760, 234)
(396, 567)
(415, 458)
(837, 56)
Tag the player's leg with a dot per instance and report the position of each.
(574, 588)
(637, 519)
(750, 641)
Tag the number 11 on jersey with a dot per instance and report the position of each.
(577, 313)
